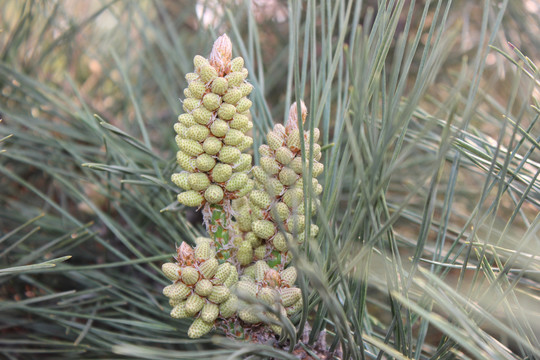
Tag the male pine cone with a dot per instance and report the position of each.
(211, 133)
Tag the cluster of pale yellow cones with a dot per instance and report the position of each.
(253, 215)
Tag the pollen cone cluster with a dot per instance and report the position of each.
(201, 287)
(260, 284)
(211, 133)
(273, 215)
(254, 215)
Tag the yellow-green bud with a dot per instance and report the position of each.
(222, 273)
(176, 291)
(261, 267)
(259, 174)
(317, 169)
(296, 165)
(260, 252)
(245, 73)
(246, 88)
(316, 134)
(199, 62)
(226, 111)
(288, 276)
(194, 304)
(185, 161)
(203, 251)
(212, 145)
(219, 294)
(232, 278)
(202, 115)
(256, 212)
(190, 275)
(197, 132)
(229, 307)
(181, 180)
(316, 150)
(201, 239)
(249, 272)
(208, 73)
(243, 219)
(209, 312)
(290, 295)
(296, 223)
(252, 239)
(233, 137)
(237, 64)
(264, 150)
(238, 204)
(276, 328)
(209, 268)
(213, 194)
(249, 315)
(246, 189)
(260, 198)
(284, 155)
(221, 173)
(181, 130)
(232, 96)
(280, 243)
(293, 197)
(179, 311)
(270, 165)
(219, 128)
(274, 140)
(204, 287)
(246, 143)
(297, 306)
(239, 122)
(199, 328)
(245, 253)
(235, 78)
(171, 271)
(268, 296)
(263, 228)
(280, 212)
(187, 93)
(229, 154)
(293, 140)
(243, 105)
(246, 289)
(186, 119)
(190, 147)
(314, 230)
(205, 162)
(243, 163)
(191, 104)
(191, 77)
(211, 101)
(190, 198)
(198, 181)
(287, 176)
(236, 182)
(273, 187)
(197, 89)
(219, 86)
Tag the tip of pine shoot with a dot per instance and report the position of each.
(292, 121)
(221, 54)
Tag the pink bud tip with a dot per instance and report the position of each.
(221, 53)
(292, 121)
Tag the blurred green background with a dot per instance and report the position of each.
(429, 243)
